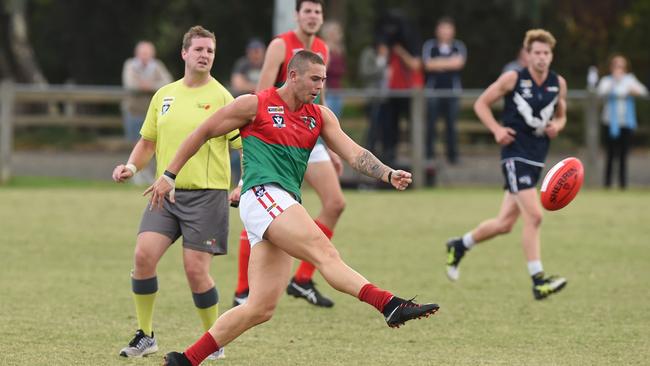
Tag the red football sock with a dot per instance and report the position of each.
(306, 270)
(375, 296)
(204, 347)
(244, 255)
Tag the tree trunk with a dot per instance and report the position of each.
(16, 54)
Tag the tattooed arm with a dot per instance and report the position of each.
(359, 158)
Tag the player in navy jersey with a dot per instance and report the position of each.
(534, 113)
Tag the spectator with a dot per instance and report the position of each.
(404, 73)
(372, 69)
(333, 37)
(518, 64)
(444, 57)
(619, 115)
(142, 75)
(246, 72)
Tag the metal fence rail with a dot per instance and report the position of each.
(61, 103)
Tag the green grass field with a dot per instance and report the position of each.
(66, 253)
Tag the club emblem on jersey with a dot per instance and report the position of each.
(525, 83)
(274, 109)
(309, 121)
(552, 89)
(278, 121)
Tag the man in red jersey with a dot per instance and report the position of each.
(279, 128)
(323, 169)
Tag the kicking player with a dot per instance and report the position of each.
(279, 128)
(324, 167)
(534, 113)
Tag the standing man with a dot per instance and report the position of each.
(444, 57)
(279, 128)
(142, 75)
(200, 213)
(323, 169)
(534, 113)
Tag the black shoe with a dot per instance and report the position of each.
(176, 359)
(240, 298)
(398, 311)
(308, 292)
(455, 252)
(547, 286)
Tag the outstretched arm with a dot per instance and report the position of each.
(235, 115)
(359, 158)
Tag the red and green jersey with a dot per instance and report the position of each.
(292, 45)
(278, 142)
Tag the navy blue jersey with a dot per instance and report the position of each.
(528, 109)
(444, 79)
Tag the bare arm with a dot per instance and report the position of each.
(359, 158)
(239, 83)
(412, 62)
(452, 63)
(235, 115)
(504, 84)
(272, 62)
(140, 156)
(559, 119)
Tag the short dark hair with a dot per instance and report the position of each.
(197, 31)
(446, 20)
(299, 3)
(302, 58)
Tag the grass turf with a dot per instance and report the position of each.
(66, 252)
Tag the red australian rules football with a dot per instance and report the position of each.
(562, 183)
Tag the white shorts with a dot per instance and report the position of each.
(319, 154)
(258, 207)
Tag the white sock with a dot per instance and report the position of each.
(468, 241)
(534, 267)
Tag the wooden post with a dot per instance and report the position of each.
(591, 139)
(418, 115)
(7, 98)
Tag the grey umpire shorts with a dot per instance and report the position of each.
(200, 216)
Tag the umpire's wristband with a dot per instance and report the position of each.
(169, 174)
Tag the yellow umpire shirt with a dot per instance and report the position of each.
(174, 112)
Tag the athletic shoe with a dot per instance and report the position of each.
(240, 298)
(455, 252)
(549, 285)
(405, 310)
(308, 292)
(140, 345)
(218, 355)
(176, 359)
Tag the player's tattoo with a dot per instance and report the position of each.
(369, 165)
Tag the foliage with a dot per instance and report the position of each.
(87, 41)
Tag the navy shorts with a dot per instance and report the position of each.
(519, 175)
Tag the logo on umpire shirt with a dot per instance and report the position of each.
(278, 121)
(166, 104)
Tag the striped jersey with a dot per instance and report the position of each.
(278, 142)
(528, 108)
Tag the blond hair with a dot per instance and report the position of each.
(197, 31)
(538, 35)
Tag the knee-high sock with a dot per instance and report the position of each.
(144, 296)
(244, 255)
(375, 296)
(305, 270)
(207, 305)
(204, 347)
